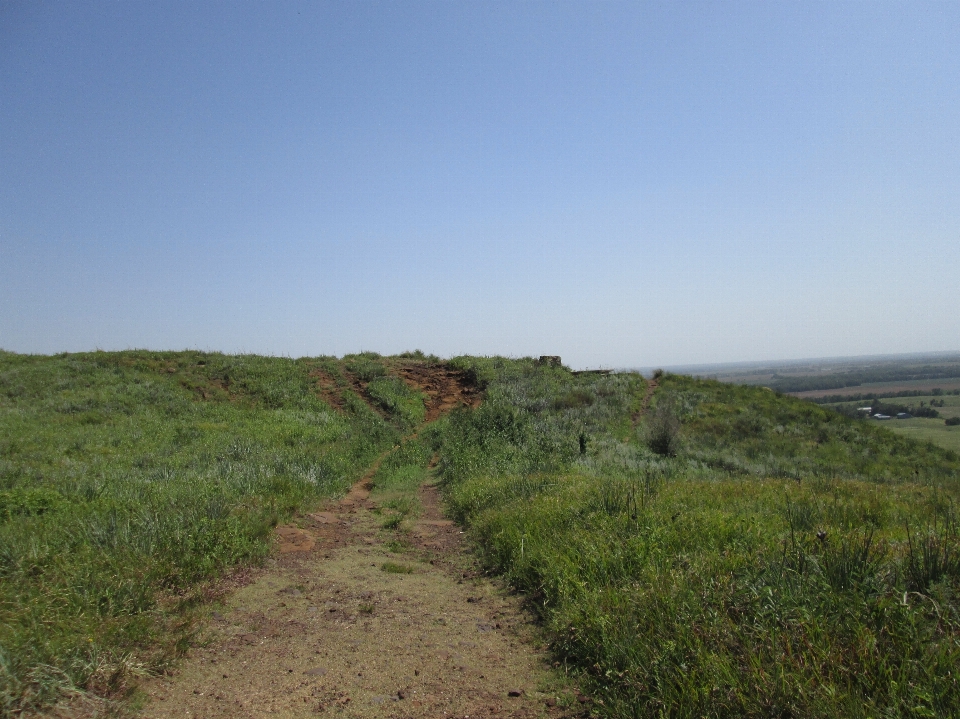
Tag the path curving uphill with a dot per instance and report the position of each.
(338, 624)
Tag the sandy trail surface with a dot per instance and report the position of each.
(337, 624)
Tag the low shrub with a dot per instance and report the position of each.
(663, 428)
(28, 501)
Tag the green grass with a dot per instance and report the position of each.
(780, 560)
(128, 480)
(399, 476)
(929, 430)
(787, 561)
(397, 400)
(366, 366)
(392, 522)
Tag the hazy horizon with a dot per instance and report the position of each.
(788, 361)
(620, 184)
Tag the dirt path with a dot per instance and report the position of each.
(645, 405)
(346, 621)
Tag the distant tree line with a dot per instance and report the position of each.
(830, 399)
(855, 378)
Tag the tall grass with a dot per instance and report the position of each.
(785, 561)
(398, 400)
(129, 479)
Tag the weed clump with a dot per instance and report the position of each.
(663, 428)
(393, 521)
(574, 399)
(932, 557)
(366, 366)
(399, 401)
(28, 501)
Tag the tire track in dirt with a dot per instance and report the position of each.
(443, 388)
(327, 389)
(331, 392)
(337, 624)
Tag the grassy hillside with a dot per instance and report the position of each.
(128, 479)
(777, 560)
(727, 552)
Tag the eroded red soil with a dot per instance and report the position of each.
(444, 388)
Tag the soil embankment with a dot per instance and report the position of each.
(443, 388)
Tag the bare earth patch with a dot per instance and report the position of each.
(443, 388)
(337, 626)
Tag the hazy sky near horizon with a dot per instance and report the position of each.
(621, 184)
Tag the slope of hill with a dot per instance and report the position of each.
(778, 560)
(720, 551)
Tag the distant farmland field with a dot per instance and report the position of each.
(928, 430)
(922, 429)
(880, 388)
(815, 378)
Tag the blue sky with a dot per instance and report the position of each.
(622, 184)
